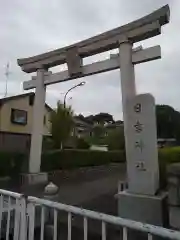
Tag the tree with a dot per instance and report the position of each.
(82, 144)
(81, 117)
(62, 124)
(103, 118)
(89, 119)
(100, 118)
(98, 130)
(115, 139)
(168, 122)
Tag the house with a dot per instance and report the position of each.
(166, 142)
(16, 116)
(112, 126)
(82, 128)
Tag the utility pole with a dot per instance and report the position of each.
(7, 72)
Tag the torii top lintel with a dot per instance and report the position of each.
(138, 30)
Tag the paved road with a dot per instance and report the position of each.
(92, 188)
(88, 188)
(85, 187)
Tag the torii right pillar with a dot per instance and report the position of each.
(143, 200)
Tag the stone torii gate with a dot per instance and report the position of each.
(121, 38)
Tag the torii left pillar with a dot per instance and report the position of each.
(34, 175)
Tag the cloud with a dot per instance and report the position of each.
(38, 26)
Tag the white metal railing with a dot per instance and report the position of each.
(87, 214)
(24, 226)
(12, 215)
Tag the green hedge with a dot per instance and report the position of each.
(69, 159)
(81, 143)
(167, 156)
(11, 163)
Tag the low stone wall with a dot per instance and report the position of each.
(86, 173)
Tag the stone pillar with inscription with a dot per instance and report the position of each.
(142, 155)
(143, 200)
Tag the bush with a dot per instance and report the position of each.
(81, 143)
(69, 159)
(47, 144)
(166, 157)
(115, 139)
(11, 163)
(169, 155)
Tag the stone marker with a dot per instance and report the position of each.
(142, 155)
(51, 192)
(142, 201)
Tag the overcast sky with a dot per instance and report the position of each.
(31, 27)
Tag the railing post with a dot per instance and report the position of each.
(31, 220)
(23, 219)
(17, 219)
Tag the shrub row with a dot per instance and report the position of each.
(69, 159)
(14, 163)
(166, 157)
(169, 155)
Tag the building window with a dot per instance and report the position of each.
(31, 100)
(19, 116)
(44, 120)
